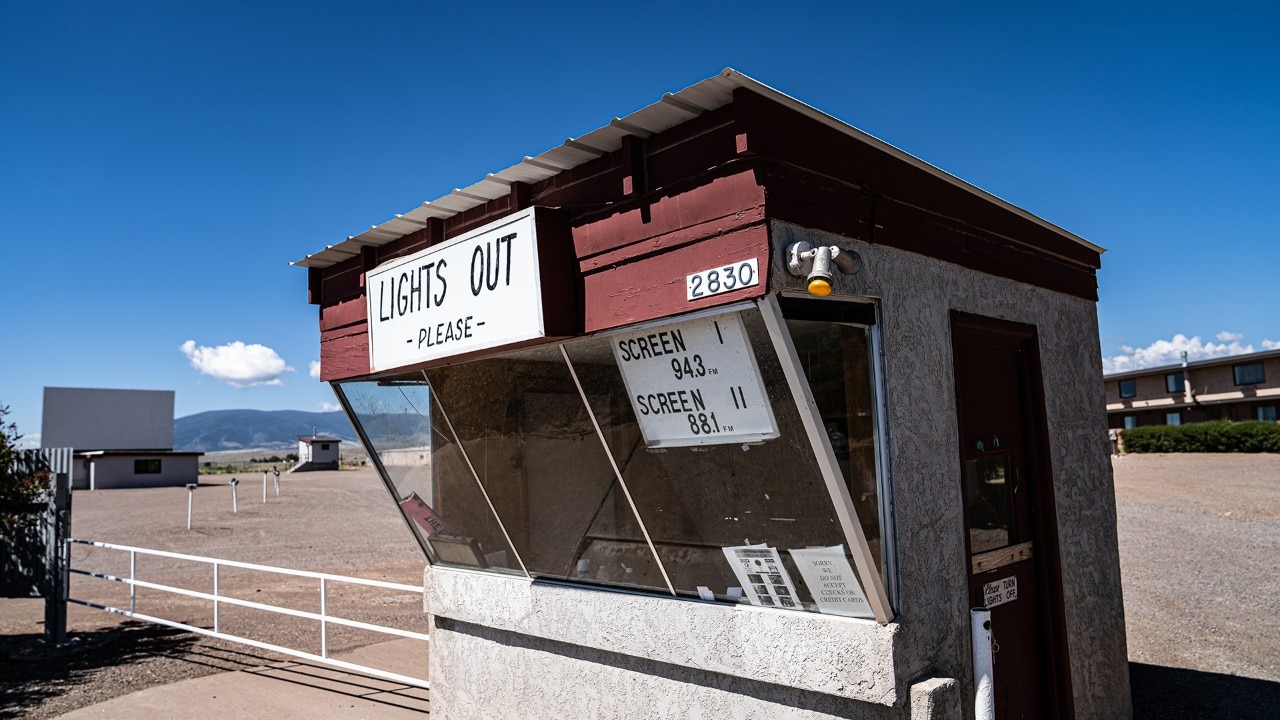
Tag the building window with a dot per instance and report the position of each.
(1173, 418)
(591, 462)
(1173, 382)
(324, 446)
(146, 467)
(1130, 422)
(1128, 388)
(1267, 413)
(1249, 374)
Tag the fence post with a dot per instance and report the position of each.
(191, 491)
(324, 625)
(235, 507)
(217, 627)
(133, 588)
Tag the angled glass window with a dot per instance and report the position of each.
(521, 421)
(746, 520)
(426, 472)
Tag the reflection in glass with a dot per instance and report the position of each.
(836, 360)
(696, 501)
(521, 420)
(426, 473)
(990, 493)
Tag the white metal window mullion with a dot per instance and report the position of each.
(435, 398)
(873, 586)
(617, 473)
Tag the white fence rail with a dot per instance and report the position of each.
(218, 599)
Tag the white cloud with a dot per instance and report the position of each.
(29, 442)
(238, 364)
(1271, 344)
(1169, 352)
(313, 369)
(328, 406)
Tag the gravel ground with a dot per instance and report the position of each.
(1199, 542)
(336, 522)
(1199, 536)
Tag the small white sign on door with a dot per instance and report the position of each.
(1000, 592)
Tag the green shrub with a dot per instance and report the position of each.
(1218, 436)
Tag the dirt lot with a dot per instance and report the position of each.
(1199, 543)
(1200, 560)
(335, 522)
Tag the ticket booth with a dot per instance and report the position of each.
(728, 409)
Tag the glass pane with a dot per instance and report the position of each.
(836, 360)
(741, 522)
(426, 473)
(990, 494)
(521, 420)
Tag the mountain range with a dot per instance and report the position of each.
(244, 429)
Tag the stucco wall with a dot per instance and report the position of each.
(917, 295)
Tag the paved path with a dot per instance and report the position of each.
(284, 691)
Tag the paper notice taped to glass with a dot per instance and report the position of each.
(832, 582)
(764, 580)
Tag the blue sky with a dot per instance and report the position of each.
(161, 163)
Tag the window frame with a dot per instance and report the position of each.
(1133, 388)
(1173, 388)
(142, 466)
(1262, 373)
(1174, 416)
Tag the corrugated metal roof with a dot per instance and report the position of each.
(671, 110)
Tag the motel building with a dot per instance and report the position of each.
(729, 410)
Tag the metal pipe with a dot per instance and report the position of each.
(191, 491)
(217, 625)
(235, 506)
(264, 486)
(324, 626)
(984, 695)
(133, 589)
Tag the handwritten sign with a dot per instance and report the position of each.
(478, 291)
(1000, 592)
(831, 581)
(695, 382)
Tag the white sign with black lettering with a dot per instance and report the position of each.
(695, 382)
(831, 581)
(1000, 592)
(723, 279)
(763, 578)
(478, 291)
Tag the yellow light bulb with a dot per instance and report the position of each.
(819, 287)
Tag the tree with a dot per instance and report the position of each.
(20, 487)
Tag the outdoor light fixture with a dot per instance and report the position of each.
(814, 264)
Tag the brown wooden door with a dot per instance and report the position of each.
(1009, 521)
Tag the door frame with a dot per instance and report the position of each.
(1052, 610)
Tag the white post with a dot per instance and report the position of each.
(324, 626)
(235, 506)
(93, 480)
(984, 692)
(217, 626)
(264, 486)
(191, 492)
(276, 476)
(133, 588)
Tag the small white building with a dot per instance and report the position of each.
(317, 452)
(121, 438)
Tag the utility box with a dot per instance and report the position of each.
(728, 409)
